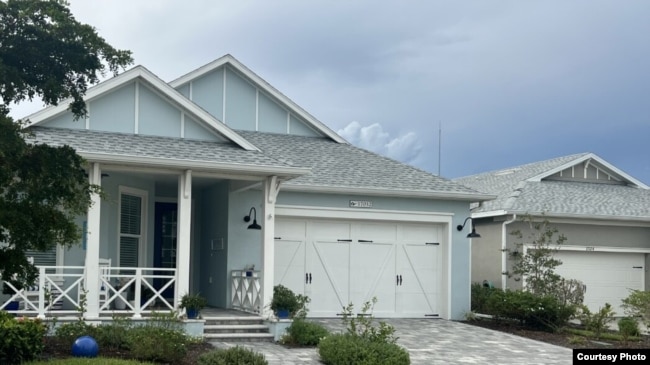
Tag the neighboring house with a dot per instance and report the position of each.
(603, 212)
(182, 164)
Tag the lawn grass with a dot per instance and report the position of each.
(87, 361)
(603, 336)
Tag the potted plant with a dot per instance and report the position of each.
(285, 303)
(193, 303)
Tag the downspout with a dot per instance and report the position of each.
(504, 252)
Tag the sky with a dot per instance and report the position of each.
(498, 83)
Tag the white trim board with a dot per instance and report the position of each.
(362, 214)
(597, 249)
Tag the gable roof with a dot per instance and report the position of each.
(141, 73)
(260, 83)
(527, 189)
(344, 168)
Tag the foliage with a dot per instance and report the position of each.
(362, 326)
(637, 304)
(304, 333)
(479, 296)
(603, 336)
(569, 291)
(577, 340)
(596, 322)
(193, 301)
(363, 342)
(67, 333)
(537, 265)
(44, 52)
(157, 344)
(343, 349)
(87, 361)
(20, 339)
(233, 356)
(628, 327)
(533, 311)
(113, 335)
(285, 299)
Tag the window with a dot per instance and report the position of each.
(132, 212)
(44, 258)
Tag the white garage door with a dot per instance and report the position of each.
(339, 262)
(608, 276)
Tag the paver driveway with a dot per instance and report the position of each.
(437, 341)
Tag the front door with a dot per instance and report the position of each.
(165, 241)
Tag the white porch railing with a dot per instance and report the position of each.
(59, 289)
(246, 290)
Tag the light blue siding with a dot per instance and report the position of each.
(66, 120)
(207, 92)
(184, 90)
(193, 130)
(114, 112)
(240, 102)
(298, 127)
(272, 118)
(157, 116)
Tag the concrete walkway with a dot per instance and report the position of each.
(435, 341)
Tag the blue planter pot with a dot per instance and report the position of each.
(12, 306)
(192, 313)
(283, 313)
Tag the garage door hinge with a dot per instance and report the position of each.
(432, 315)
(433, 243)
(637, 267)
(364, 241)
(346, 240)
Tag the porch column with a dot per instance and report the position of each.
(92, 247)
(183, 236)
(271, 189)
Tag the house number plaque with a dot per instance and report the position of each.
(360, 204)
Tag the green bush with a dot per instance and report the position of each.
(628, 327)
(158, 344)
(67, 333)
(596, 322)
(480, 295)
(113, 335)
(537, 312)
(304, 333)
(232, 356)
(340, 349)
(637, 304)
(20, 339)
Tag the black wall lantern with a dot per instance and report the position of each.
(473, 234)
(247, 218)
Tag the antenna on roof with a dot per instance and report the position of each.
(439, 144)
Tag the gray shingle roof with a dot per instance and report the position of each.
(517, 195)
(345, 166)
(133, 145)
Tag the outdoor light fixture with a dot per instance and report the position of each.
(247, 218)
(470, 235)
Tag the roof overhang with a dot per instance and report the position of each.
(195, 165)
(388, 192)
(547, 215)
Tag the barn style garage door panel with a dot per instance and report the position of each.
(340, 262)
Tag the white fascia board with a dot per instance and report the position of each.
(581, 159)
(571, 218)
(492, 213)
(565, 248)
(388, 192)
(365, 214)
(262, 84)
(160, 87)
(193, 164)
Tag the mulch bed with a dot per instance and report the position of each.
(54, 350)
(559, 338)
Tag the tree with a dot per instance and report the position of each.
(537, 265)
(44, 52)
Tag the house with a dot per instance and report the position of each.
(603, 212)
(218, 183)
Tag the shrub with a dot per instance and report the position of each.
(537, 312)
(339, 349)
(113, 335)
(304, 333)
(285, 299)
(232, 356)
(637, 304)
(480, 296)
(20, 339)
(569, 292)
(67, 333)
(157, 344)
(628, 327)
(596, 322)
(362, 326)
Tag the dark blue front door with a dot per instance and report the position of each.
(165, 242)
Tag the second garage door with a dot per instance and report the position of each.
(337, 262)
(608, 276)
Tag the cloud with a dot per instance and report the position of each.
(405, 148)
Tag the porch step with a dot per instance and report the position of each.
(236, 329)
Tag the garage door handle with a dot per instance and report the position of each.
(399, 280)
(584, 288)
(306, 278)
(637, 267)
(309, 278)
(277, 238)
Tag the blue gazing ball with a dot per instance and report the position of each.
(85, 346)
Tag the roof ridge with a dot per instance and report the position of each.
(526, 165)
